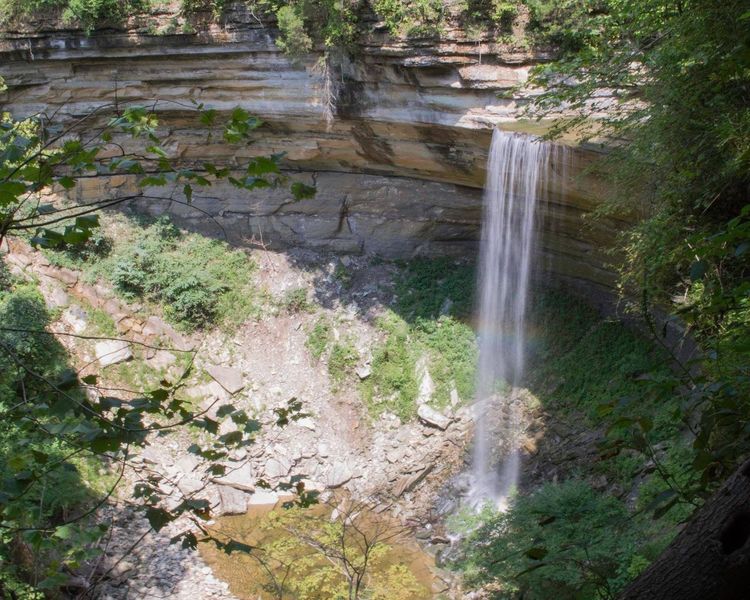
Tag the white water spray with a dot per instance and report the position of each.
(518, 176)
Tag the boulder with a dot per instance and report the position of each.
(339, 474)
(426, 385)
(232, 501)
(263, 498)
(57, 298)
(432, 417)
(75, 318)
(112, 352)
(227, 377)
(277, 467)
(187, 464)
(307, 423)
(67, 276)
(162, 360)
(189, 485)
(154, 326)
(152, 456)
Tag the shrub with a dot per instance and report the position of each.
(419, 17)
(452, 357)
(427, 287)
(198, 281)
(88, 13)
(294, 39)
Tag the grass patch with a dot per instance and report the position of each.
(582, 364)
(427, 288)
(318, 338)
(295, 301)
(433, 298)
(393, 386)
(341, 362)
(101, 323)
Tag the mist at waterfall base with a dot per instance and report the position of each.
(519, 179)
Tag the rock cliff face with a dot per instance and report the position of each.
(395, 140)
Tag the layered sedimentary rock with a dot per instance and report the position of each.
(395, 139)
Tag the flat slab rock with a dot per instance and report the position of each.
(241, 478)
(430, 416)
(111, 352)
(227, 377)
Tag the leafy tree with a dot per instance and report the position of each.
(678, 74)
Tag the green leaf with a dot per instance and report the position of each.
(64, 532)
(537, 553)
(301, 191)
(262, 166)
(208, 117)
(153, 181)
(67, 182)
(158, 517)
(87, 221)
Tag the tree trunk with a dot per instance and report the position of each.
(710, 558)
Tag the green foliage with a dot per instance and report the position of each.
(318, 338)
(55, 433)
(198, 281)
(491, 12)
(595, 375)
(341, 361)
(600, 373)
(101, 323)
(40, 474)
(427, 287)
(393, 385)
(415, 18)
(432, 297)
(87, 13)
(568, 25)
(294, 39)
(342, 275)
(306, 23)
(685, 172)
(563, 541)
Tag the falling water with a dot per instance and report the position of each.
(518, 176)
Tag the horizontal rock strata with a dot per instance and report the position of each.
(398, 163)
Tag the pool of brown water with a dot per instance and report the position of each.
(339, 549)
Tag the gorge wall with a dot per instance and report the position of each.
(399, 164)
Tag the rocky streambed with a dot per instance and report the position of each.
(337, 448)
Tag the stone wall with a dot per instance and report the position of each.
(399, 164)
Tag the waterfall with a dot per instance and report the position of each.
(518, 177)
